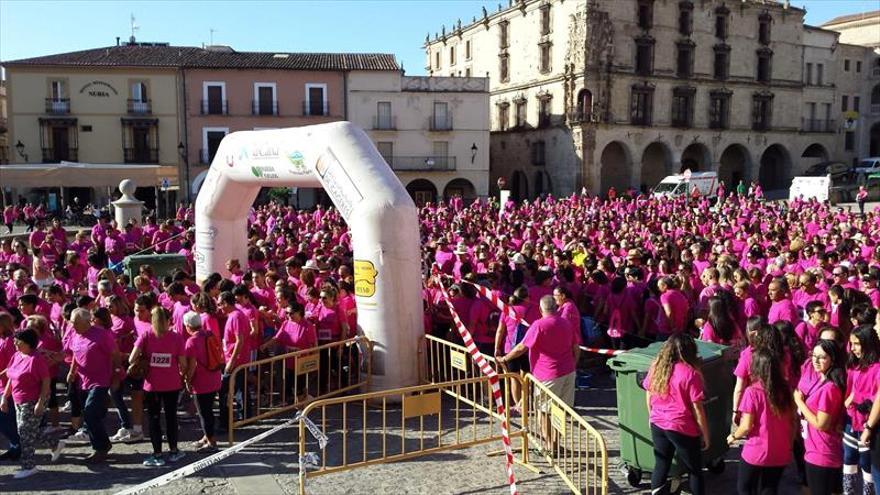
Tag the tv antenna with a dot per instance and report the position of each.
(134, 28)
(212, 30)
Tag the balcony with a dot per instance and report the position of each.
(140, 155)
(263, 107)
(761, 126)
(423, 163)
(140, 107)
(818, 125)
(58, 106)
(440, 123)
(719, 124)
(580, 116)
(57, 155)
(315, 109)
(215, 107)
(385, 123)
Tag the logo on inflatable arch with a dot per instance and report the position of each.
(364, 278)
(298, 161)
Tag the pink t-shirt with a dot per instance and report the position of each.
(529, 313)
(123, 330)
(825, 448)
(550, 341)
(163, 353)
(862, 384)
(179, 309)
(678, 305)
(296, 336)
(769, 441)
(209, 322)
(204, 380)
(93, 353)
(783, 310)
(7, 350)
(27, 373)
(674, 410)
(236, 329)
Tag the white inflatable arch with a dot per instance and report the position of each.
(381, 216)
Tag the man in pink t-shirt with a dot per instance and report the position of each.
(781, 306)
(236, 349)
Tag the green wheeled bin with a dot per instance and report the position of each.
(636, 446)
(162, 264)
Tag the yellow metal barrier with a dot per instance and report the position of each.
(574, 448)
(279, 384)
(404, 423)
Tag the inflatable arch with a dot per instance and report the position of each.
(381, 216)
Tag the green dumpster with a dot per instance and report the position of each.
(162, 264)
(636, 447)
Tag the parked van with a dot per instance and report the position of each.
(868, 165)
(682, 184)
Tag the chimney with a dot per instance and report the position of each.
(117, 41)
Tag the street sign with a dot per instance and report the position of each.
(165, 183)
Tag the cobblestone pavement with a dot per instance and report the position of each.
(270, 467)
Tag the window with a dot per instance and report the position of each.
(316, 100)
(545, 56)
(719, 110)
(59, 139)
(683, 107)
(503, 116)
(764, 21)
(504, 67)
(641, 104)
(214, 98)
(844, 103)
(521, 116)
(503, 34)
(467, 72)
(452, 55)
(684, 60)
(57, 90)
(685, 18)
(846, 65)
(721, 17)
(721, 67)
(820, 74)
(762, 110)
(809, 74)
(539, 152)
(764, 67)
(211, 137)
(441, 120)
(858, 66)
(544, 111)
(386, 149)
(265, 102)
(467, 50)
(849, 141)
(437, 60)
(139, 103)
(545, 19)
(140, 141)
(384, 119)
(645, 14)
(644, 55)
(441, 156)
(58, 103)
(857, 102)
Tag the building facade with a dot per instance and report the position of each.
(4, 126)
(433, 131)
(596, 94)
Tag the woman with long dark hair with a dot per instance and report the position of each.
(861, 385)
(720, 326)
(821, 410)
(674, 387)
(767, 424)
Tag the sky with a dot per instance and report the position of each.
(30, 28)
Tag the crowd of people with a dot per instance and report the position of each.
(792, 284)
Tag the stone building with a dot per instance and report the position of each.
(4, 127)
(601, 93)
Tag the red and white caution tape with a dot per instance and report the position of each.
(487, 370)
(604, 352)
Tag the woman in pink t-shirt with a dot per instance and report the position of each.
(201, 381)
(166, 363)
(674, 387)
(862, 382)
(767, 424)
(822, 415)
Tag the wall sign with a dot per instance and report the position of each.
(98, 89)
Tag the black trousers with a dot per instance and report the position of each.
(824, 480)
(155, 402)
(223, 408)
(205, 407)
(668, 443)
(758, 480)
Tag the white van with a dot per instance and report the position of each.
(868, 165)
(682, 184)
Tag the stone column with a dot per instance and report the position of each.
(127, 207)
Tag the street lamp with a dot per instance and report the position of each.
(19, 147)
(181, 150)
(473, 152)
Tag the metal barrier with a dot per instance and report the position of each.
(568, 443)
(279, 384)
(404, 423)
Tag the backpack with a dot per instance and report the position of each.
(215, 359)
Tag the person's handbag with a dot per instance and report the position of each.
(138, 369)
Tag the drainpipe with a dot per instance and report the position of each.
(185, 141)
(345, 95)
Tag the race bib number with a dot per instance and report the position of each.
(324, 334)
(805, 433)
(160, 360)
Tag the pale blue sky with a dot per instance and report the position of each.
(31, 28)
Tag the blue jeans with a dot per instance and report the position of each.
(852, 454)
(121, 408)
(9, 428)
(94, 410)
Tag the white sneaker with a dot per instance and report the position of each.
(135, 436)
(65, 407)
(56, 452)
(79, 437)
(123, 435)
(24, 473)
